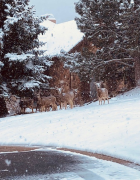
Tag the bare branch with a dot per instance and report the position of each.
(116, 60)
(123, 59)
(125, 64)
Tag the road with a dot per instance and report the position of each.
(49, 164)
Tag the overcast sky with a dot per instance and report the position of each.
(63, 10)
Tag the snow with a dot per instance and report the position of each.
(1, 65)
(59, 37)
(14, 56)
(111, 129)
(31, 84)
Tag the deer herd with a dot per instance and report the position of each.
(46, 103)
(43, 103)
(40, 102)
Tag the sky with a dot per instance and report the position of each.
(63, 10)
(112, 129)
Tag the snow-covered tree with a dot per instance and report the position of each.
(22, 63)
(130, 28)
(79, 64)
(113, 27)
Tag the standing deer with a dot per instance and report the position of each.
(120, 85)
(27, 102)
(13, 104)
(102, 93)
(44, 103)
(65, 98)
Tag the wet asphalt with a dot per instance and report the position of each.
(21, 165)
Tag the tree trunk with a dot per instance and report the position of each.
(3, 108)
(137, 71)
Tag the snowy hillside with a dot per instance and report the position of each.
(59, 37)
(111, 129)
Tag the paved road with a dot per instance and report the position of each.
(49, 165)
(39, 164)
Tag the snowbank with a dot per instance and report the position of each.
(110, 129)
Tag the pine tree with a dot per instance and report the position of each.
(23, 63)
(79, 63)
(113, 27)
(130, 28)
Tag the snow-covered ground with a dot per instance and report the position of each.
(111, 129)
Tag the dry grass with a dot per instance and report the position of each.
(104, 157)
(15, 148)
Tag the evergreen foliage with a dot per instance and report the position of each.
(3, 109)
(113, 27)
(22, 63)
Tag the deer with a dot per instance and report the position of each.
(102, 93)
(12, 103)
(120, 85)
(65, 98)
(26, 102)
(44, 103)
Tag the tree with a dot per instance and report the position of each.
(113, 27)
(79, 64)
(3, 109)
(130, 28)
(23, 63)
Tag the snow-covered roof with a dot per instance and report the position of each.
(59, 37)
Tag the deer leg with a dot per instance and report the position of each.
(108, 100)
(41, 109)
(61, 105)
(101, 101)
(65, 104)
(53, 107)
(71, 104)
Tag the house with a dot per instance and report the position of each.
(52, 19)
(67, 37)
(64, 37)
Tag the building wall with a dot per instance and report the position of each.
(62, 78)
